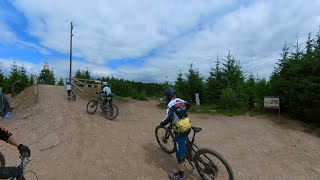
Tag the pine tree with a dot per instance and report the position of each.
(182, 89)
(234, 79)
(214, 84)
(250, 85)
(14, 77)
(78, 74)
(24, 81)
(2, 81)
(87, 74)
(60, 83)
(194, 83)
(51, 77)
(31, 80)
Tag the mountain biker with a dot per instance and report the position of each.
(107, 90)
(177, 114)
(68, 87)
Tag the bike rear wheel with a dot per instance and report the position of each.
(211, 165)
(111, 113)
(92, 106)
(74, 97)
(2, 160)
(165, 139)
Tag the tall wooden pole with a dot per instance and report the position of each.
(70, 76)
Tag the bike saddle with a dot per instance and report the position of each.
(197, 129)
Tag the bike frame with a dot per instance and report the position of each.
(191, 148)
(191, 151)
(198, 158)
(15, 172)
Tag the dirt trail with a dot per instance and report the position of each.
(92, 147)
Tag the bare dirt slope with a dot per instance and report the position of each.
(68, 143)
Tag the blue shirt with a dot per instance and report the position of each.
(68, 86)
(107, 90)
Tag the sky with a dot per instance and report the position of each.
(151, 41)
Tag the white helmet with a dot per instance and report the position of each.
(105, 84)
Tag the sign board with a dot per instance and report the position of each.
(271, 103)
(197, 99)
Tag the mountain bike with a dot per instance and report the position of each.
(110, 109)
(73, 96)
(17, 172)
(209, 163)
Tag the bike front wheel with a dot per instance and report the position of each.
(92, 106)
(111, 112)
(165, 139)
(211, 165)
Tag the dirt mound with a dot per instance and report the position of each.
(24, 99)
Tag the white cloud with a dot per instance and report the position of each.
(31, 68)
(6, 35)
(107, 30)
(181, 32)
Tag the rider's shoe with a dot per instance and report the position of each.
(175, 176)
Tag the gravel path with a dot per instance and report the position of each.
(68, 143)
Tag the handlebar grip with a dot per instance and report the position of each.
(25, 155)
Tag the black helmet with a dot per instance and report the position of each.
(170, 92)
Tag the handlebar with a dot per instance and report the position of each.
(14, 172)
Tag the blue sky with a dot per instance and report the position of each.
(151, 41)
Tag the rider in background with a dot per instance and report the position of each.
(177, 110)
(68, 87)
(6, 136)
(107, 90)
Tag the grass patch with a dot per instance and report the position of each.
(162, 106)
(214, 109)
(255, 113)
(203, 108)
(120, 98)
(141, 96)
(235, 112)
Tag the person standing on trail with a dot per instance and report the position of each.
(68, 87)
(177, 115)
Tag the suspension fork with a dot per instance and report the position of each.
(168, 133)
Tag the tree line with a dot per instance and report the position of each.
(295, 79)
(18, 76)
(127, 88)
